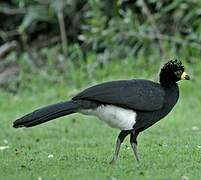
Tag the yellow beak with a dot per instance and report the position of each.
(185, 76)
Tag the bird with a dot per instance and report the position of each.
(131, 105)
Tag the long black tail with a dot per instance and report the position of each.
(46, 114)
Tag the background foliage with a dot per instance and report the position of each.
(96, 33)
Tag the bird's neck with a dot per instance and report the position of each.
(168, 84)
(171, 91)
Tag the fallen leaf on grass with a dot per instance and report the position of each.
(50, 156)
(112, 178)
(5, 141)
(185, 178)
(3, 147)
(195, 128)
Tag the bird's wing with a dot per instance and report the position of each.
(140, 95)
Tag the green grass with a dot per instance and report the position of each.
(82, 146)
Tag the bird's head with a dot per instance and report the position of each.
(172, 72)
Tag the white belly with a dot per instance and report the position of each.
(114, 116)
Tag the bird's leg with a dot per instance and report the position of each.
(133, 141)
(119, 141)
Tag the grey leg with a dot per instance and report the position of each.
(122, 135)
(133, 141)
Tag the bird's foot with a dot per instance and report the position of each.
(137, 158)
(113, 161)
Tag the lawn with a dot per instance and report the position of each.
(80, 147)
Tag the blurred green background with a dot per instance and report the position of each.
(77, 41)
(52, 49)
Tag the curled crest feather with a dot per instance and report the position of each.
(174, 65)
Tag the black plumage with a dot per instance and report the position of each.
(132, 94)
(143, 101)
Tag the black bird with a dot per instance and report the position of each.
(129, 105)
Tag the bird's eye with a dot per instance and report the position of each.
(178, 73)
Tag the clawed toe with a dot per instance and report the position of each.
(113, 161)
